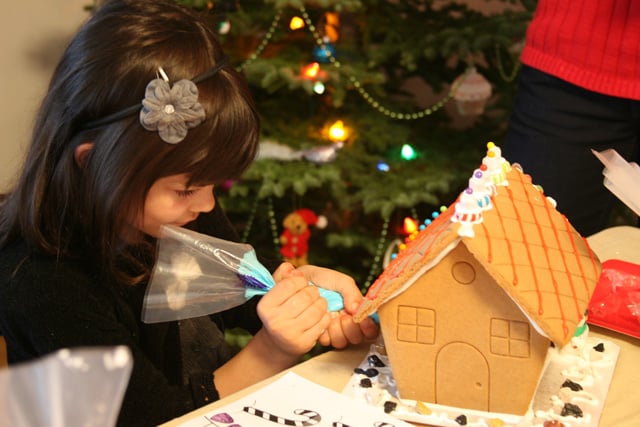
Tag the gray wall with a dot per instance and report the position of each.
(33, 34)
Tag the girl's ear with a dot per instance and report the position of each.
(81, 151)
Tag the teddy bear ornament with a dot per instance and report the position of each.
(294, 240)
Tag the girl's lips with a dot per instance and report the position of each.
(182, 224)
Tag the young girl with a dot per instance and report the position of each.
(143, 117)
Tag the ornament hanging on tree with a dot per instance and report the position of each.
(329, 24)
(294, 240)
(323, 153)
(322, 53)
(472, 93)
(318, 155)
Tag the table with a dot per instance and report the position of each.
(334, 368)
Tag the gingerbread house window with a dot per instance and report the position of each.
(510, 338)
(416, 324)
(463, 273)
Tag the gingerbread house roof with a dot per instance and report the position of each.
(524, 243)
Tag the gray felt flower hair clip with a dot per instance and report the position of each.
(171, 110)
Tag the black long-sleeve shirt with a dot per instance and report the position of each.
(47, 304)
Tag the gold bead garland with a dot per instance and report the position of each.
(356, 83)
(365, 95)
(514, 72)
(265, 41)
(250, 219)
(273, 223)
(378, 255)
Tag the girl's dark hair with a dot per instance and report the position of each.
(75, 211)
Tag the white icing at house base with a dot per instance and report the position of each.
(571, 390)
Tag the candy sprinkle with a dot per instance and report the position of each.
(423, 409)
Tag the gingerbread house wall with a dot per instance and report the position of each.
(455, 338)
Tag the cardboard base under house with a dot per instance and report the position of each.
(572, 389)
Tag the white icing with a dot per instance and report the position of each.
(578, 358)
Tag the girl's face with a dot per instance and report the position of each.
(171, 201)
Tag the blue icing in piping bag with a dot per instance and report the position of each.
(197, 275)
(257, 280)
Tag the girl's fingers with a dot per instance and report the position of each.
(307, 302)
(337, 337)
(335, 281)
(284, 290)
(319, 328)
(369, 328)
(284, 270)
(324, 339)
(293, 309)
(300, 335)
(352, 330)
(344, 331)
(307, 308)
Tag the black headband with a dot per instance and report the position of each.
(119, 115)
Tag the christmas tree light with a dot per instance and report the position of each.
(296, 23)
(311, 71)
(407, 152)
(337, 131)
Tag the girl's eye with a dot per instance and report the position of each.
(185, 193)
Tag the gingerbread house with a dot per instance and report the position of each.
(469, 309)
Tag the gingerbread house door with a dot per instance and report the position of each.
(462, 377)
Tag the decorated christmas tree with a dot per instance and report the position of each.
(373, 114)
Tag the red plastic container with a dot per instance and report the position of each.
(615, 304)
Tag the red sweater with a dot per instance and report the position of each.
(594, 44)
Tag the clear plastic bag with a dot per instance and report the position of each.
(77, 387)
(196, 275)
(621, 177)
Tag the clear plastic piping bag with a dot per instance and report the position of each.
(197, 275)
(621, 177)
(71, 387)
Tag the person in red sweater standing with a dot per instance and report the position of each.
(579, 89)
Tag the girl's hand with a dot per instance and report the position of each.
(342, 330)
(293, 313)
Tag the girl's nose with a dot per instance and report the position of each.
(204, 200)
